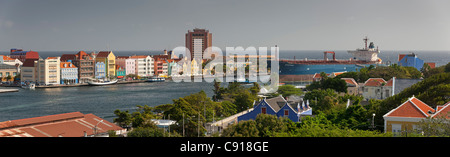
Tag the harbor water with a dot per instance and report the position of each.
(99, 100)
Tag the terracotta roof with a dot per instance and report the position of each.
(7, 58)
(374, 82)
(400, 56)
(431, 64)
(350, 81)
(390, 82)
(413, 107)
(123, 57)
(138, 56)
(103, 54)
(68, 64)
(66, 57)
(443, 111)
(52, 57)
(72, 124)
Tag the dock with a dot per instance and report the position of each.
(85, 84)
(8, 90)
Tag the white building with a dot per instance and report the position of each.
(49, 71)
(144, 66)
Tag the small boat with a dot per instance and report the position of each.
(29, 86)
(101, 83)
(156, 79)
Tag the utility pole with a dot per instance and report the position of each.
(183, 124)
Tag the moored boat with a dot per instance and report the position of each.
(156, 79)
(101, 83)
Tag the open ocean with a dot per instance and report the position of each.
(439, 57)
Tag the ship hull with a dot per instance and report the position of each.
(305, 68)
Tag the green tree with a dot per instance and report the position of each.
(242, 129)
(288, 90)
(123, 118)
(244, 101)
(439, 126)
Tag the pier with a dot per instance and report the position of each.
(8, 90)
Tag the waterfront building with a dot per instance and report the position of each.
(28, 72)
(160, 65)
(85, 64)
(23, 55)
(7, 71)
(74, 124)
(100, 70)
(11, 61)
(127, 63)
(109, 59)
(144, 65)
(69, 73)
(197, 41)
(410, 60)
(406, 117)
(49, 71)
(278, 106)
(171, 64)
(120, 72)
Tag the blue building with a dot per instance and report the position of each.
(280, 107)
(100, 70)
(410, 60)
(69, 73)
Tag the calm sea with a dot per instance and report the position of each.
(103, 100)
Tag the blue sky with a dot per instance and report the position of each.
(63, 25)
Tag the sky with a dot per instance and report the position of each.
(141, 25)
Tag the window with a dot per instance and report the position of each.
(286, 112)
(263, 110)
(397, 129)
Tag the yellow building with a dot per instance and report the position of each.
(109, 59)
(7, 71)
(406, 117)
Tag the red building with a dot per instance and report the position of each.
(23, 55)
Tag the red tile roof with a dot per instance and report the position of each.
(350, 81)
(67, 125)
(68, 64)
(413, 107)
(374, 82)
(443, 111)
(103, 54)
(390, 83)
(7, 58)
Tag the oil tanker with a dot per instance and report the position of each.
(361, 58)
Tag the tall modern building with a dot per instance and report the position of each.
(197, 41)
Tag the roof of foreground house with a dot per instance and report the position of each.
(73, 124)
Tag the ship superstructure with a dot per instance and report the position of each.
(361, 58)
(367, 53)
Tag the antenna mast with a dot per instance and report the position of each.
(365, 42)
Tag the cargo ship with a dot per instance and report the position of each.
(361, 58)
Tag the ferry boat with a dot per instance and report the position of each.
(156, 79)
(101, 83)
(361, 58)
